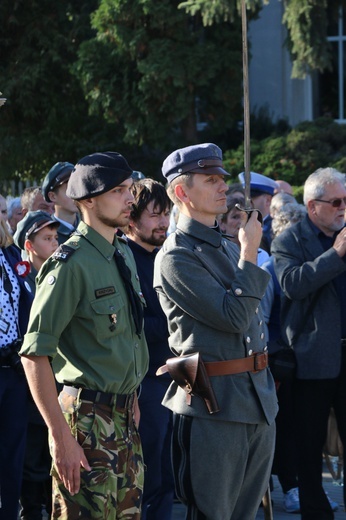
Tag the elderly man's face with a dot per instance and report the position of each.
(324, 215)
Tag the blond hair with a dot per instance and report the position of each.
(5, 235)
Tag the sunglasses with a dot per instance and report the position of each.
(336, 203)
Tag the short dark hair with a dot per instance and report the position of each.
(146, 191)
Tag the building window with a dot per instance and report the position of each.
(332, 83)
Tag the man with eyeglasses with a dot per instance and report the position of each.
(310, 263)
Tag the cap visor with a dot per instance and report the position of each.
(45, 224)
(212, 170)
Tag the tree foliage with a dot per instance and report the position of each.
(295, 154)
(306, 22)
(154, 71)
(46, 116)
(220, 10)
(307, 25)
(139, 76)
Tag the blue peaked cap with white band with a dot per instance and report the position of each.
(259, 183)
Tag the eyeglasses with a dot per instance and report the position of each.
(336, 203)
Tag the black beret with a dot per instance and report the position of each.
(57, 175)
(199, 158)
(96, 174)
(33, 222)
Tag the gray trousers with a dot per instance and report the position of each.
(221, 469)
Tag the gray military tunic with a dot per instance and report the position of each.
(211, 298)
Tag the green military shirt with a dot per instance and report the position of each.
(81, 317)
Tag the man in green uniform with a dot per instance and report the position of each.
(87, 318)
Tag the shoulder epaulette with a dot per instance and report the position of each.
(64, 252)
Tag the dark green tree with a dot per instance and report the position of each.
(45, 118)
(294, 154)
(142, 78)
(156, 71)
(306, 22)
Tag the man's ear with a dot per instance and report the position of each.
(89, 203)
(311, 207)
(180, 193)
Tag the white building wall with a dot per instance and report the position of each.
(270, 67)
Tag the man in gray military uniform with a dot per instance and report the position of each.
(210, 295)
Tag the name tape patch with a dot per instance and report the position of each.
(104, 292)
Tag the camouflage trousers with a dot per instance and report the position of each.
(113, 489)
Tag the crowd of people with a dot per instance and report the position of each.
(136, 326)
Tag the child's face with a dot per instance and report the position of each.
(44, 242)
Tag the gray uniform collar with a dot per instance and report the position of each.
(194, 228)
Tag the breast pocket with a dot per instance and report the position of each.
(108, 315)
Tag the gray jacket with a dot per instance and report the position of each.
(302, 268)
(211, 300)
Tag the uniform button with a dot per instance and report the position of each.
(248, 339)
(199, 248)
(262, 335)
(261, 322)
(265, 349)
(111, 308)
(225, 243)
(250, 352)
(136, 345)
(256, 311)
(139, 374)
(137, 277)
(109, 258)
(51, 280)
(238, 291)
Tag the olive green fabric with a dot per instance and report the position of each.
(81, 317)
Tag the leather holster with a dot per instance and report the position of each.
(190, 374)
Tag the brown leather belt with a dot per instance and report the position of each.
(253, 363)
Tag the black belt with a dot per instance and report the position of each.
(96, 396)
(343, 342)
